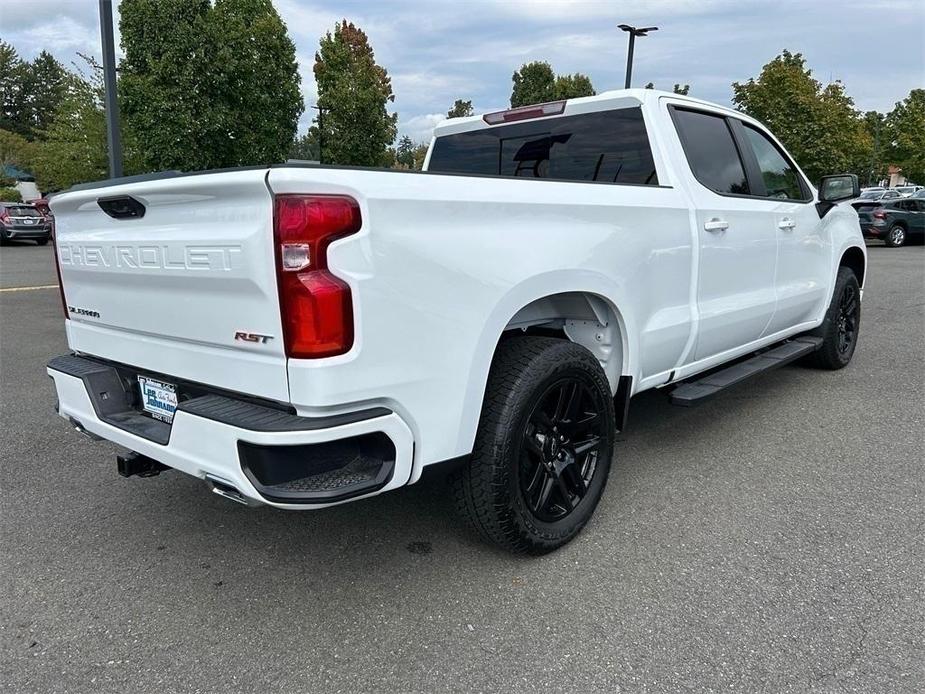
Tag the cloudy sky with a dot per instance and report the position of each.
(439, 50)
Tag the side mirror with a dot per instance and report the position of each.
(833, 189)
(837, 188)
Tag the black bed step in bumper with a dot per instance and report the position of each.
(262, 451)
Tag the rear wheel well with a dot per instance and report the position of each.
(853, 259)
(580, 317)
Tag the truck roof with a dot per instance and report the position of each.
(616, 98)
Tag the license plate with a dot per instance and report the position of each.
(158, 398)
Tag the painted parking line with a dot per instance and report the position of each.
(29, 289)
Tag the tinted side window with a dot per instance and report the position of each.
(711, 151)
(609, 146)
(780, 178)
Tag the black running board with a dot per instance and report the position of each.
(694, 392)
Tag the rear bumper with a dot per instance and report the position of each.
(269, 456)
(25, 232)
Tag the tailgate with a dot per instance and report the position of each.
(187, 290)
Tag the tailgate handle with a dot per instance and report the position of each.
(122, 207)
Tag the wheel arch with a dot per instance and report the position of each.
(855, 260)
(585, 318)
(573, 305)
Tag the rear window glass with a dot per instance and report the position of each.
(23, 212)
(609, 146)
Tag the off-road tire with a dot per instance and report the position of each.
(487, 490)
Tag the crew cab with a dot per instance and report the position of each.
(300, 336)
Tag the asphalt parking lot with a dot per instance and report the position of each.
(770, 540)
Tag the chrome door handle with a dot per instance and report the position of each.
(716, 225)
(786, 224)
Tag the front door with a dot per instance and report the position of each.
(804, 251)
(737, 237)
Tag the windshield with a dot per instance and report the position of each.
(871, 195)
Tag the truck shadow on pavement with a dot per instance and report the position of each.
(411, 524)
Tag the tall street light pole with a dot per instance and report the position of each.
(110, 102)
(633, 32)
(321, 110)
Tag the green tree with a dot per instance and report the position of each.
(683, 89)
(354, 92)
(9, 194)
(572, 86)
(404, 153)
(11, 73)
(305, 147)
(208, 85)
(420, 153)
(45, 83)
(15, 150)
(73, 148)
(460, 109)
(905, 126)
(534, 83)
(818, 125)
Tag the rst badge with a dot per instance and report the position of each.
(242, 336)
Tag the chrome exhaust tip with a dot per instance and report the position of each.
(227, 490)
(79, 428)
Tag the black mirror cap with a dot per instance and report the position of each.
(839, 187)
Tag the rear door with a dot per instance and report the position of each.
(738, 241)
(176, 276)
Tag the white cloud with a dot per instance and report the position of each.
(437, 52)
(420, 128)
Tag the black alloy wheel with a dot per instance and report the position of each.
(561, 446)
(849, 315)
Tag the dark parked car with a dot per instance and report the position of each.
(870, 199)
(22, 221)
(897, 222)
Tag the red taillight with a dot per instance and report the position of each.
(879, 214)
(315, 306)
(552, 108)
(54, 243)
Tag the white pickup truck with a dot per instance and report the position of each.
(300, 336)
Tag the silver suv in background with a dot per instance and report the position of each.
(21, 221)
